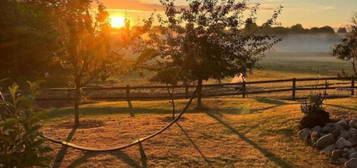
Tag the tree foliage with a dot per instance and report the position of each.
(20, 143)
(347, 48)
(27, 40)
(206, 40)
(84, 45)
(299, 29)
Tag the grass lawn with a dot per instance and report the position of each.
(234, 132)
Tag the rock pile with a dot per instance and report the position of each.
(338, 140)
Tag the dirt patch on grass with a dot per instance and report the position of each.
(84, 124)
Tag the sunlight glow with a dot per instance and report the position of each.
(117, 21)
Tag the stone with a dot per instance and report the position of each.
(353, 124)
(336, 154)
(328, 128)
(336, 130)
(353, 140)
(342, 143)
(352, 163)
(343, 123)
(353, 155)
(342, 160)
(345, 134)
(314, 136)
(352, 132)
(325, 141)
(317, 129)
(305, 135)
(328, 149)
(351, 150)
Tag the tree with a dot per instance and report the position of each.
(20, 143)
(250, 24)
(347, 48)
(324, 29)
(84, 40)
(171, 76)
(207, 40)
(298, 28)
(27, 41)
(342, 30)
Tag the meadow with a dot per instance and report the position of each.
(230, 132)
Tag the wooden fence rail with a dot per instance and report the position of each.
(244, 89)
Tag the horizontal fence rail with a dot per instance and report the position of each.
(332, 86)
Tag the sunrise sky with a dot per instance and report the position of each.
(310, 13)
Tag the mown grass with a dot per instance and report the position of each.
(234, 132)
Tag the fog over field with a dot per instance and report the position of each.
(303, 53)
(307, 43)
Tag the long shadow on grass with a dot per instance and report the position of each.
(62, 152)
(118, 154)
(273, 102)
(194, 144)
(93, 111)
(343, 107)
(276, 159)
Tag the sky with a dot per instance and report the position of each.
(310, 13)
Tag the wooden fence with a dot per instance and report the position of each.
(298, 88)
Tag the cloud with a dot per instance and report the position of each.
(328, 8)
(131, 5)
(151, 6)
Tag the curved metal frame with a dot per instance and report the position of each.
(138, 141)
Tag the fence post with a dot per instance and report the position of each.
(326, 87)
(294, 88)
(186, 91)
(353, 86)
(244, 89)
(128, 96)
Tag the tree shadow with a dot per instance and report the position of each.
(343, 107)
(62, 152)
(271, 101)
(271, 156)
(97, 111)
(275, 103)
(194, 144)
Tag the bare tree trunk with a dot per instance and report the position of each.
(77, 101)
(199, 94)
(171, 92)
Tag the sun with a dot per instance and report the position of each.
(117, 21)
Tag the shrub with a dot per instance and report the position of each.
(20, 143)
(314, 111)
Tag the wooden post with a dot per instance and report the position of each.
(294, 89)
(128, 99)
(326, 88)
(244, 89)
(353, 86)
(186, 91)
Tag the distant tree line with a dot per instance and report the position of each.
(295, 29)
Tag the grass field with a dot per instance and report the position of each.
(274, 65)
(323, 64)
(234, 132)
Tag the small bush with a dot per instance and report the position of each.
(20, 143)
(314, 111)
